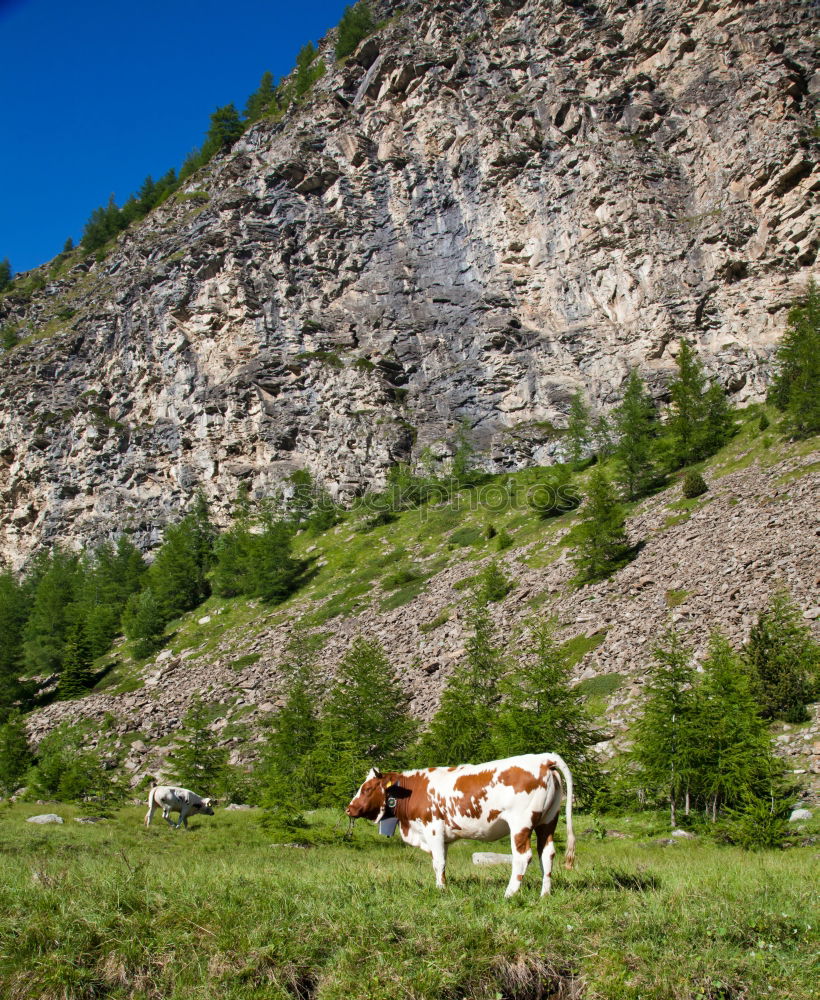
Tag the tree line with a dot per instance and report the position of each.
(701, 744)
(68, 608)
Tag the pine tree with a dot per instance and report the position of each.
(262, 100)
(734, 759)
(364, 721)
(687, 412)
(273, 570)
(602, 438)
(463, 728)
(225, 129)
(144, 622)
(784, 660)
(288, 770)
(197, 761)
(554, 494)
(579, 432)
(13, 613)
(795, 389)
(5, 274)
(178, 576)
(356, 24)
(664, 745)
(76, 676)
(308, 69)
(602, 545)
(540, 712)
(16, 756)
(56, 580)
(718, 425)
(637, 426)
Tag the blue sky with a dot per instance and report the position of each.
(97, 95)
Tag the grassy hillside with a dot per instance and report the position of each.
(114, 910)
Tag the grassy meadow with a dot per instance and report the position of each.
(115, 910)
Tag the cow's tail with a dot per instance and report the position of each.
(151, 805)
(569, 855)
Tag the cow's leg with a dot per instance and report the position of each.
(546, 846)
(183, 817)
(149, 815)
(166, 815)
(439, 852)
(521, 854)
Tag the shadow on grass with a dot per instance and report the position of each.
(619, 879)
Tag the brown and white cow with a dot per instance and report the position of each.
(171, 798)
(438, 805)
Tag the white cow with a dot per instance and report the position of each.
(436, 805)
(170, 799)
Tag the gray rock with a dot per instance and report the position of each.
(800, 814)
(45, 818)
(682, 835)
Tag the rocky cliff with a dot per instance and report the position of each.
(487, 207)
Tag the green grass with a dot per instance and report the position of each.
(577, 648)
(674, 598)
(117, 911)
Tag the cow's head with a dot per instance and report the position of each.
(206, 807)
(377, 794)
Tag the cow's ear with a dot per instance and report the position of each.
(398, 792)
(374, 772)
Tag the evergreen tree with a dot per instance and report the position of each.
(795, 389)
(273, 570)
(197, 761)
(637, 426)
(554, 494)
(540, 711)
(144, 623)
(76, 676)
(56, 583)
(688, 409)
(784, 660)
(288, 768)
(226, 127)
(108, 578)
(262, 100)
(463, 728)
(178, 576)
(102, 226)
(733, 758)
(718, 425)
(579, 431)
(463, 464)
(356, 24)
(665, 734)
(6, 274)
(13, 612)
(602, 438)
(308, 69)
(66, 768)
(602, 545)
(68, 246)
(16, 756)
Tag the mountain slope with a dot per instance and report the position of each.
(708, 564)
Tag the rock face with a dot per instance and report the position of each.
(489, 206)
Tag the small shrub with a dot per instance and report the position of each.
(503, 541)
(763, 423)
(492, 585)
(490, 532)
(464, 537)
(400, 578)
(694, 485)
(759, 824)
(441, 619)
